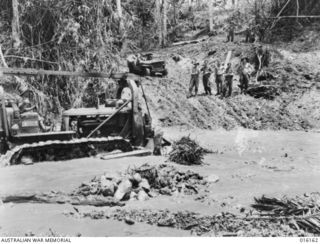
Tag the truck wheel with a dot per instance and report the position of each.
(147, 72)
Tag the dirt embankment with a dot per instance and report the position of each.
(296, 106)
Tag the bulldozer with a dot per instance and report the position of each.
(114, 125)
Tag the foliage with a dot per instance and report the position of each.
(269, 17)
(74, 35)
(77, 35)
(187, 151)
(288, 28)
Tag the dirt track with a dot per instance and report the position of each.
(295, 74)
(248, 163)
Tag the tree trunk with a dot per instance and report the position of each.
(122, 32)
(119, 11)
(210, 2)
(164, 33)
(174, 13)
(15, 24)
(190, 5)
(158, 20)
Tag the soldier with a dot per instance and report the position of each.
(262, 59)
(132, 62)
(230, 32)
(126, 95)
(218, 77)
(194, 81)
(25, 107)
(228, 78)
(244, 72)
(139, 58)
(249, 32)
(206, 76)
(249, 35)
(90, 98)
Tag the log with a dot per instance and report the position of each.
(19, 198)
(228, 58)
(127, 154)
(3, 61)
(96, 201)
(188, 42)
(99, 203)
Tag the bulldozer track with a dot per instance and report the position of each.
(56, 150)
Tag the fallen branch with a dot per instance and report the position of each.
(59, 198)
(304, 213)
(188, 42)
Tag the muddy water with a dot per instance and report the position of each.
(248, 164)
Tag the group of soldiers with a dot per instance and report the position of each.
(223, 78)
(224, 74)
(252, 32)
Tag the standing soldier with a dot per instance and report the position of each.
(244, 72)
(218, 77)
(249, 34)
(194, 81)
(206, 76)
(230, 32)
(262, 59)
(227, 84)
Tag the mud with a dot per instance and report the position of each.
(139, 183)
(246, 163)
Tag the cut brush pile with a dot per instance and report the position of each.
(187, 151)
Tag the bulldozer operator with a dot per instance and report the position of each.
(25, 107)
